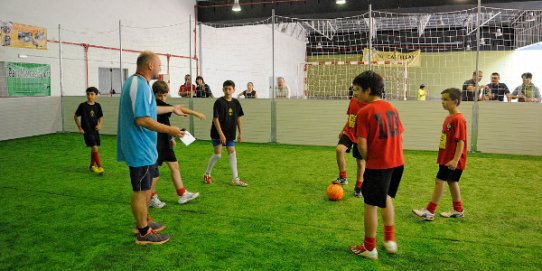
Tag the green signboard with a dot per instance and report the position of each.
(28, 79)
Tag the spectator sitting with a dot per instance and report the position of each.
(527, 92)
(203, 90)
(282, 91)
(184, 90)
(496, 90)
(250, 93)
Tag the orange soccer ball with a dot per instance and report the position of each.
(335, 192)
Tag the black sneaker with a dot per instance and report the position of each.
(341, 181)
(151, 238)
(357, 192)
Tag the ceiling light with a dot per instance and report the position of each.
(236, 7)
(23, 56)
(530, 17)
(498, 33)
(441, 21)
(482, 41)
(340, 2)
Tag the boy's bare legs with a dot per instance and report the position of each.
(370, 225)
(388, 213)
(175, 175)
(341, 160)
(455, 191)
(457, 211)
(153, 199)
(429, 212)
(438, 191)
(361, 170)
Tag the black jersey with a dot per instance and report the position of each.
(90, 115)
(227, 113)
(163, 140)
(249, 95)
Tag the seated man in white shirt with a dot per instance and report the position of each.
(282, 91)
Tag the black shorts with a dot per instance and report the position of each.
(345, 140)
(166, 155)
(92, 138)
(141, 177)
(445, 174)
(380, 183)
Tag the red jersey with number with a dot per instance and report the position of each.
(379, 123)
(453, 130)
(352, 112)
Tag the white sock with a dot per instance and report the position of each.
(233, 165)
(212, 162)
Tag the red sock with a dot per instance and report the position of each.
(342, 174)
(96, 157)
(153, 194)
(458, 206)
(359, 183)
(389, 233)
(431, 207)
(92, 162)
(369, 243)
(181, 191)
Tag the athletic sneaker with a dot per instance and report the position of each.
(424, 214)
(155, 226)
(151, 238)
(156, 203)
(94, 169)
(101, 171)
(453, 214)
(361, 251)
(207, 179)
(357, 192)
(187, 196)
(341, 181)
(390, 246)
(239, 182)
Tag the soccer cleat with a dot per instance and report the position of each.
(390, 246)
(357, 192)
(207, 179)
(341, 181)
(151, 238)
(453, 214)
(156, 203)
(187, 196)
(424, 214)
(361, 251)
(101, 171)
(239, 182)
(94, 169)
(155, 226)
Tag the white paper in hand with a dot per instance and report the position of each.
(188, 138)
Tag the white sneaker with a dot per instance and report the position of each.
(453, 214)
(239, 182)
(390, 246)
(361, 251)
(156, 203)
(187, 196)
(424, 214)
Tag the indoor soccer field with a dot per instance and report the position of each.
(57, 215)
(292, 63)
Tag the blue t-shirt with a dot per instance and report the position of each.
(136, 145)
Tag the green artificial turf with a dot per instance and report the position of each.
(58, 216)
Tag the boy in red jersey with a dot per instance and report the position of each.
(347, 139)
(452, 158)
(379, 134)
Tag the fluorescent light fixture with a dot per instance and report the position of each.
(482, 41)
(441, 21)
(340, 2)
(498, 33)
(530, 17)
(23, 56)
(236, 7)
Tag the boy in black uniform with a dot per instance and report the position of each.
(89, 119)
(165, 144)
(227, 113)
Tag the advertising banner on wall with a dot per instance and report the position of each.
(22, 36)
(394, 58)
(28, 79)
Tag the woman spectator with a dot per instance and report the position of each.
(203, 90)
(250, 93)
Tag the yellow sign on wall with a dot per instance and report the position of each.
(22, 36)
(411, 59)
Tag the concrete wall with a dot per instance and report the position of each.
(29, 116)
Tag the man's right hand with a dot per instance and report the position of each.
(81, 131)
(175, 132)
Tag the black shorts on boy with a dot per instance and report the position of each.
(345, 140)
(380, 183)
(141, 177)
(92, 138)
(448, 175)
(166, 155)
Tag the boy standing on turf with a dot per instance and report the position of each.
(165, 146)
(89, 119)
(227, 113)
(347, 141)
(452, 158)
(379, 133)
